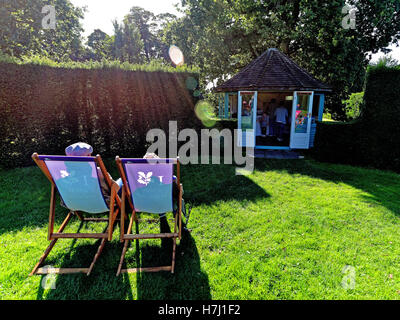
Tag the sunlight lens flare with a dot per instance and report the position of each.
(205, 112)
(176, 55)
(191, 83)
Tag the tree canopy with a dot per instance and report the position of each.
(22, 33)
(222, 36)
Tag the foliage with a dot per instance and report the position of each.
(386, 61)
(153, 66)
(373, 138)
(127, 43)
(222, 36)
(338, 142)
(353, 105)
(137, 39)
(145, 21)
(100, 44)
(381, 117)
(44, 109)
(21, 31)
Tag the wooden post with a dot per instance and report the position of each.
(321, 106)
(52, 212)
(226, 106)
(123, 215)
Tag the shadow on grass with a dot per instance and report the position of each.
(205, 184)
(188, 282)
(383, 187)
(102, 282)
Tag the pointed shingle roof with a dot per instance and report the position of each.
(273, 70)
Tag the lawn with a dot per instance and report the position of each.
(287, 231)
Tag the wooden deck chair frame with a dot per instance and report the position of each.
(128, 236)
(54, 236)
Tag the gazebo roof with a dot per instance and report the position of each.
(273, 71)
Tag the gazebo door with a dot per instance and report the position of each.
(301, 119)
(247, 114)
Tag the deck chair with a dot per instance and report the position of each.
(148, 187)
(77, 181)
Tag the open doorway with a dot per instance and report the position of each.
(273, 123)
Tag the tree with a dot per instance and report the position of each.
(22, 33)
(160, 46)
(100, 44)
(222, 36)
(139, 37)
(149, 26)
(127, 43)
(144, 21)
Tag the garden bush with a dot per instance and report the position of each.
(335, 142)
(44, 109)
(353, 105)
(373, 139)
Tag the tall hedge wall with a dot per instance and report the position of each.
(374, 138)
(44, 109)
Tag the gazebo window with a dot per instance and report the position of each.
(228, 105)
(247, 111)
(302, 116)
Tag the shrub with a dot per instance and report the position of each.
(334, 142)
(353, 105)
(44, 109)
(381, 118)
(373, 139)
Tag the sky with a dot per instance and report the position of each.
(100, 14)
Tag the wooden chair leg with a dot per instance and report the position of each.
(123, 216)
(52, 243)
(99, 250)
(174, 239)
(180, 211)
(122, 257)
(113, 211)
(80, 217)
(43, 257)
(125, 244)
(149, 269)
(52, 212)
(173, 256)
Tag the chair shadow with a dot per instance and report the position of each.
(205, 184)
(188, 282)
(102, 284)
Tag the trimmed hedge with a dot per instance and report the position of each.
(44, 109)
(336, 142)
(374, 138)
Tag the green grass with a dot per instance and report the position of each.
(284, 232)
